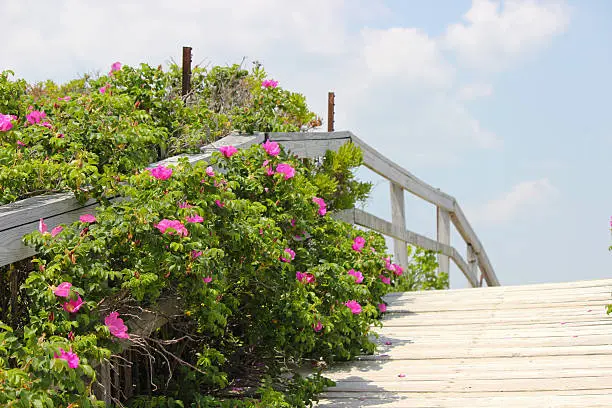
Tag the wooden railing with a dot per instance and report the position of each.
(20, 218)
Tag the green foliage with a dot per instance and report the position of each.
(243, 307)
(244, 315)
(422, 273)
(98, 130)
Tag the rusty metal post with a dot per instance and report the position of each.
(330, 111)
(186, 88)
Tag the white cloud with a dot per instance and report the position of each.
(394, 86)
(472, 92)
(405, 55)
(493, 34)
(524, 199)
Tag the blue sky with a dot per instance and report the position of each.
(504, 105)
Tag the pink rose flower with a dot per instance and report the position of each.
(358, 275)
(272, 148)
(305, 277)
(71, 358)
(6, 122)
(354, 306)
(63, 289)
(358, 243)
(161, 172)
(210, 172)
(228, 151)
(73, 306)
(207, 279)
(194, 218)
(65, 98)
(317, 327)
(20, 143)
(87, 218)
(382, 307)
(42, 227)
(172, 227)
(35, 117)
(56, 231)
(385, 280)
(219, 203)
(195, 254)
(285, 169)
(269, 83)
(116, 326)
(321, 203)
(185, 204)
(288, 255)
(115, 67)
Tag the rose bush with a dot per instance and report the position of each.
(245, 245)
(86, 135)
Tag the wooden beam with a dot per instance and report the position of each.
(330, 111)
(443, 235)
(398, 216)
(186, 83)
(384, 227)
(473, 262)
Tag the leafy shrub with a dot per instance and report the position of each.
(422, 273)
(87, 134)
(263, 276)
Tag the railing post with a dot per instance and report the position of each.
(398, 218)
(443, 238)
(472, 260)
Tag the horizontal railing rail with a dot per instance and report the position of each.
(20, 218)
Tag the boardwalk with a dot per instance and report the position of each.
(547, 345)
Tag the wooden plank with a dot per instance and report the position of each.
(589, 303)
(372, 222)
(472, 261)
(419, 353)
(398, 217)
(474, 366)
(443, 235)
(473, 385)
(310, 144)
(12, 248)
(556, 399)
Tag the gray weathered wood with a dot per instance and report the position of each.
(473, 262)
(443, 236)
(398, 216)
(22, 217)
(484, 353)
(384, 227)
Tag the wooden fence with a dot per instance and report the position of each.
(22, 217)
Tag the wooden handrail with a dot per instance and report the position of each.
(20, 218)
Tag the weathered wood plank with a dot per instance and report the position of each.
(372, 222)
(556, 399)
(450, 358)
(398, 217)
(311, 144)
(443, 236)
